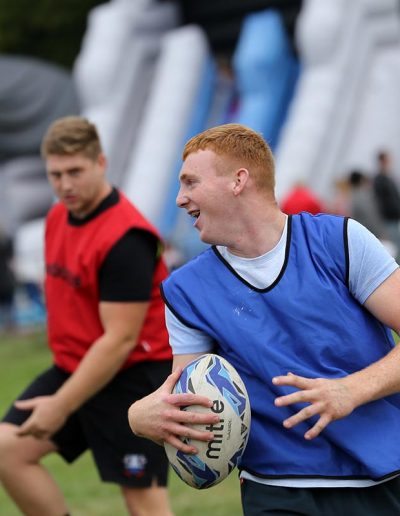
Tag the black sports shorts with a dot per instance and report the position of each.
(101, 425)
(379, 500)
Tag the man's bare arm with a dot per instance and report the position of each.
(122, 323)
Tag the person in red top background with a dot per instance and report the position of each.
(107, 333)
(301, 198)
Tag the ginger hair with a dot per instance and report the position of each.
(240, 145)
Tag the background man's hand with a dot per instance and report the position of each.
(47, 416)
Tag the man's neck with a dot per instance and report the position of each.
(260, 235)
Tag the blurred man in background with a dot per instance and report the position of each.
(388, 197)
(106, 330)
(363, 208)
(363, 205)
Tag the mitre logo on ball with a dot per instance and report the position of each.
(214, 377)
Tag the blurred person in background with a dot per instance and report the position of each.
(301, 198)
(363, 205)
(172, 255)
(387, 195)
(364, 209)
(340, 202)
(302, 306)
(7, 282)
(106, 330)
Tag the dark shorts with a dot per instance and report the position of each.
(380, 500)
(101, 425)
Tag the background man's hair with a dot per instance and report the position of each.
(71, 135)
(241, 144)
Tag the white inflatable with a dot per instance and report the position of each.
(29, 258)
(115, 67)
(165, 120)
(344, 48)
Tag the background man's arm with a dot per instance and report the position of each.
(122, 323)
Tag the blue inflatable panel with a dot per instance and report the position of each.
(197, 123)
(266, 73)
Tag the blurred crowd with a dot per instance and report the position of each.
(370, 197)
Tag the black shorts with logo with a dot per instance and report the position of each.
(101, 425)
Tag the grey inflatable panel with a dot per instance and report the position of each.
(24, 191)
(33, 93)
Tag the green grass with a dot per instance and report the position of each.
(21, 358)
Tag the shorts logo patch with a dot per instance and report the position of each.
(134, 465)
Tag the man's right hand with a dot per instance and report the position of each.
(159, 417)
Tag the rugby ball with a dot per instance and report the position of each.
(212, 376)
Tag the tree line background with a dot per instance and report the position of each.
(51, 30)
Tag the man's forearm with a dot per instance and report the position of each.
(97, 368)
(380, 379)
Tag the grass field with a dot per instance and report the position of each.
(20, 359)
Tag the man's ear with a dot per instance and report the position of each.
(102, 160)
(240, 179)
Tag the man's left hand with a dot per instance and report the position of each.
(47, 417)
(330, 399)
